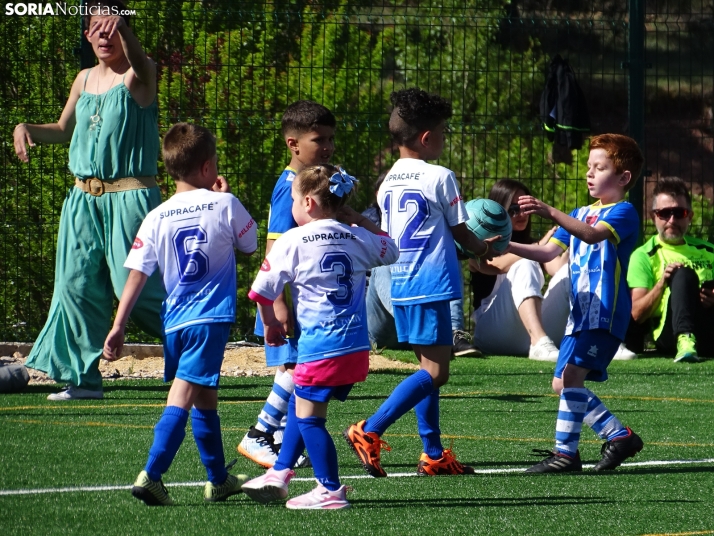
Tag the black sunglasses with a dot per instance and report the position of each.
(514, 210)
(665, 214)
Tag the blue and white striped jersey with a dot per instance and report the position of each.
(599, 296)
(420, 203)
(190, 238)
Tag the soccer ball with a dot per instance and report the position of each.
(488, 219)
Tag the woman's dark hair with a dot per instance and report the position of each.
(502, 193)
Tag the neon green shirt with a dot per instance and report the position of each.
(648, 262)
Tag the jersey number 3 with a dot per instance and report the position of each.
(192, 262)
(331, 262)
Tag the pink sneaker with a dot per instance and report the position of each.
(321, 499)
(272, 486)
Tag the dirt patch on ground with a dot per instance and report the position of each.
(238, 361)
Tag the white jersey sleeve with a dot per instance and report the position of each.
(245, 235)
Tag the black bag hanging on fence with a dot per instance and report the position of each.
(562, 106)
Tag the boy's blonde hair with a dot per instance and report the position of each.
(315, 181)
(186, 148)
(624, 153)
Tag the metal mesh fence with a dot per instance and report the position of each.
(235, 66)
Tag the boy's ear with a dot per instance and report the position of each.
(293, 144)
(425, 137)
(626, 177)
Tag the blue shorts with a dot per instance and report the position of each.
(323, 393)
(195, 353)
(425, 324)
(276, 356)
(592, 349)
(282, 355)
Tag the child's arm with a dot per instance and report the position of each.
(535, 252)
(579, 229)
(482, 248)
(274, 330)
(115, 340)
(350, 216)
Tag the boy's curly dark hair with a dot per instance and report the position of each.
(416, 111)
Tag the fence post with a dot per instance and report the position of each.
(636, 91)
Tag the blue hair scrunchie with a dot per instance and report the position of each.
(341, 183)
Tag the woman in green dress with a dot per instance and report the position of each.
(111, 122)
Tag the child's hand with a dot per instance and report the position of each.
(114, 344)
(107, 25)
(274, 333)
(547, 236)
(349, 216)
(21, 138)
(490, 252)
(221, 185)
(530, 205)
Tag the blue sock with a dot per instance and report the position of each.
(207, 432)
(276, 406)
(427, 412)
(168, 435)
(293, 444)
(573, 404)
(322, 451)
(602, 422)
(405, 396)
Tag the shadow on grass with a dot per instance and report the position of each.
(464, 502)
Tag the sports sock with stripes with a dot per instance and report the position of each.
(206, 427)
(405, 396)
(276, 406)
(573, 404)
(168, 436)
(602, 422)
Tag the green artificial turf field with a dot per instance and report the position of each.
(495, 410)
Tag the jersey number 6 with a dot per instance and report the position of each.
(192, 262)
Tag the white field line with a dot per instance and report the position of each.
(40, 491)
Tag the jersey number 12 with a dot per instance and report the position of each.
(408, 239)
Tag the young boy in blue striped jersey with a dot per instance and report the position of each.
(309, 132)
(601, 238)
